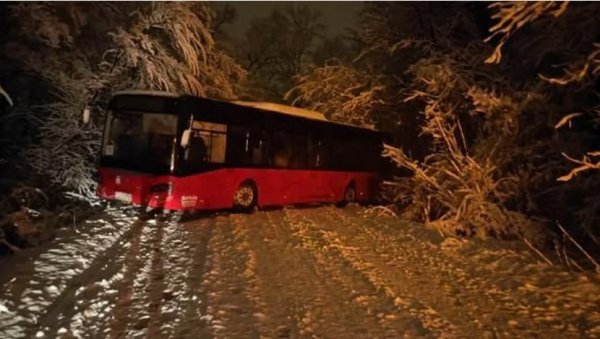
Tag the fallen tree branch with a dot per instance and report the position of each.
(590, 258)
(538, 252)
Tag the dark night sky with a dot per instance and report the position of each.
(336, 15)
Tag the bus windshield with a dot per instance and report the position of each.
(140, 141)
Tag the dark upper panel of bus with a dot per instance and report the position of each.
(226, 112)
(146, 101)
(231, 113)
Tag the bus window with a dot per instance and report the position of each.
(140, 138)
(238, 145)
(196, 152)
(257, 153)
(337, 151)
(323, 156)
(282, 150)
(259, 147)
(214, 137)
(299, 155)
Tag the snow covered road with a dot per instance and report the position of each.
(295, 272)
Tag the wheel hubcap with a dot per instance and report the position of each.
(244, 196)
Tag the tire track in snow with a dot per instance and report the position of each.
(377, 300)
(469, 291)
(131, 287)
(427, 267)
(70, 302)
(299, 296)
(265, 319)
(476, 298)
(155, 289)
(229, 312)
(329, 224)
(186, 297)
(278, 276)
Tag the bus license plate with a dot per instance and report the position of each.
(122, 196)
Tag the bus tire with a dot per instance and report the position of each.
(245, 197)
(349, 195)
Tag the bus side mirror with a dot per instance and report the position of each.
(86, 115)
(185, 138)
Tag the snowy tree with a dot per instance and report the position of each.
(581, 56)
(340, 92)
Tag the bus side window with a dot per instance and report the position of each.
(282, 151)
(258, 147)
(238, 145)
(299, 154)
(196, 152)
(340, 152)
(214, 137)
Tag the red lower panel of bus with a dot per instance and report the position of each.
(215, 189)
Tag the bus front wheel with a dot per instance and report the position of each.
(245, 197)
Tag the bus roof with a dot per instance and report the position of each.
(279, 108)
(264, 106)
(296, 112)
(147, 92)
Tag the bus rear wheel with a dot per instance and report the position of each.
(349, 196)
(244, 198)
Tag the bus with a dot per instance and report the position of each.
(179, 152)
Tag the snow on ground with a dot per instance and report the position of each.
(309, 272)
(41, 281)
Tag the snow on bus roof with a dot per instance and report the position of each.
(266, 106)
(147, 92)
(279, 108)
(295, 111)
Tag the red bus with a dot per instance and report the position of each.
(180, 152)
